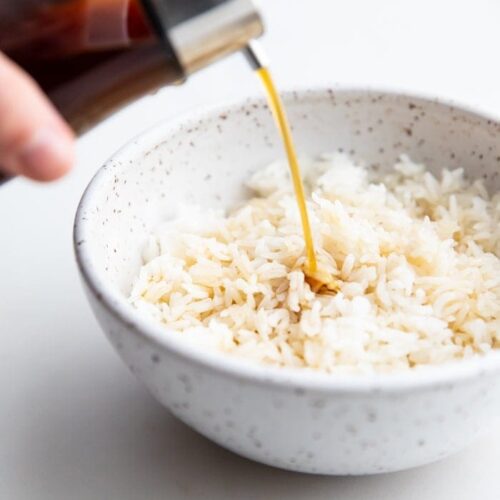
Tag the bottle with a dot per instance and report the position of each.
(92, 56)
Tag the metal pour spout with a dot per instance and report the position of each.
(255, 55)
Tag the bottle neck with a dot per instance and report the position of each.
(200, 32)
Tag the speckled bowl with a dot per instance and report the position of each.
(306, 422)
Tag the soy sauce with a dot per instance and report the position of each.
(89, 56)
(319, 279)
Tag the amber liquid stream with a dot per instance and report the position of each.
(278, 111)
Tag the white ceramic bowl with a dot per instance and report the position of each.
(306, 422)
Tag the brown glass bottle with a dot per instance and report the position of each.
(88, 56)
(91, 56)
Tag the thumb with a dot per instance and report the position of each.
(34, 140)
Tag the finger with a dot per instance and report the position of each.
(34, 139)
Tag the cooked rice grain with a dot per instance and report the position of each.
(416, 257)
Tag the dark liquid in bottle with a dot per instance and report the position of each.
(89, 56)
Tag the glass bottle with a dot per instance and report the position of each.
(92, 56)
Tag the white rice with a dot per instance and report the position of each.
(416, 257)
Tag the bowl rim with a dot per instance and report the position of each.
(441, 376)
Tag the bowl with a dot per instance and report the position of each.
(292, 419)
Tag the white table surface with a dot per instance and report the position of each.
(74, 423)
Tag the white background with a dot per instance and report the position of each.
(74, 424)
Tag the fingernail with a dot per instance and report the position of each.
(46, 156)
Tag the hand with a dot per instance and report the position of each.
(34, 140)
